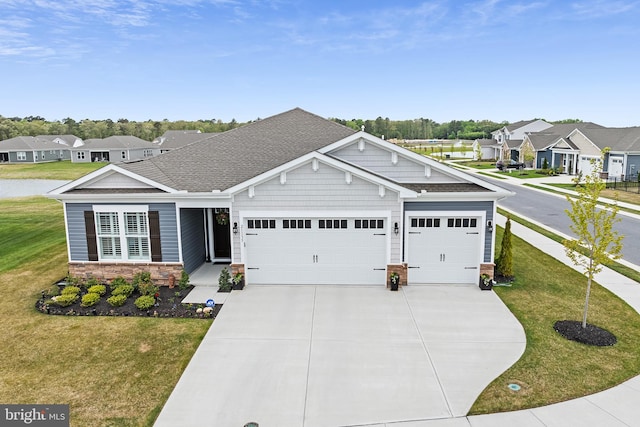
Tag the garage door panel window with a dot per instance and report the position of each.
(325, 224)
(261, 223)
(462, 222)
(369, 223)
(296, 224)
(425, 222)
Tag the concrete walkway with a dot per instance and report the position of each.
(344, 356)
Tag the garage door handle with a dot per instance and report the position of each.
(412, 267)
(415, 232)
(471, 268)
(252, 234)
(474, 232)
(379, 234)
(253, 268)
(383, 269)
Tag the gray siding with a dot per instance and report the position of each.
(633, 167)
(193, 245)
(13, 157)
(322, 190)
(459, 206)
(546, 154)
(378, 160)
(78, 236)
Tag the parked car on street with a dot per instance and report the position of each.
(509, 164)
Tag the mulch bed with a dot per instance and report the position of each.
(167, 306)
(591, 335)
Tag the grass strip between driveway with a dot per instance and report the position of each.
(112, 371)
(553, 369)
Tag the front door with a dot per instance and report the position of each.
(221, 234)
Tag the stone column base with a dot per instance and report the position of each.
(401, 269)
(488, 269)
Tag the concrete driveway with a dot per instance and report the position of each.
(343, 356)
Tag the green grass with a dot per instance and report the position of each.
(480, 164)
(111, 371)
(53, 170)
(610, 194)
(613, 265)
(525, 174)
(553, 369)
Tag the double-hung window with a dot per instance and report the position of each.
(123, 232)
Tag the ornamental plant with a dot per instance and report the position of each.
(125, 290)
(117, 300)
(70, 290)
(97, 289)
(504, 263)
(90, 299)
(145, 302)
(64, 300)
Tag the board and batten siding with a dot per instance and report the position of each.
(378, 160)
(487, 207)
(77, 234)
(192, 233)
(326, 189)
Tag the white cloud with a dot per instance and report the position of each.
(602, 8)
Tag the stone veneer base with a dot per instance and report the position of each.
(107, 271)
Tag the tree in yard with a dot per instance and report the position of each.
(528, 155)
(596, 241)
(478, 151)
(504, 263)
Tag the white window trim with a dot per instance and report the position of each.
(120, 210)
(22, 155)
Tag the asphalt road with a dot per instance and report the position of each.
(549, 209)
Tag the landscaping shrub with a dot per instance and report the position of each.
(224, 281)
(147, 288)
(70, 290)
(97, 289)
(117, 300)
(65, 300)
(90, 299)
(145, 302)
(125, 290)
(119, 281)
(92, 282)
(183, 283)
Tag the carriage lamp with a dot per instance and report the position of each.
(235, 228)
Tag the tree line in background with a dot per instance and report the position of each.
(150, 129)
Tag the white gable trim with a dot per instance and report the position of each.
(420, 159)
(104, 172)
(316, 158)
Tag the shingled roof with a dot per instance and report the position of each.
(618, 139)
(230, 158)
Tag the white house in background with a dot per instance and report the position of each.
(114, 149)
(510, 137)
(290, 199)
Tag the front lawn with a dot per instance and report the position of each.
(553, 369)
(480, 164)
(525, 174)
(112, 371)
(53, 170)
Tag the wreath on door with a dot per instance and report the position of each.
(222, 218)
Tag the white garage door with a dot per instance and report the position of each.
(444, 249)
(316, 250)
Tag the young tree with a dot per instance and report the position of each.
(594, 230)
(504, 263)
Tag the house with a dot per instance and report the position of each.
(67, 140)
(114, 149)
(622, 160)
(30, 149)
(489, 149)
(560, 151)
(510, 137)
(290, 199)
(173, 139)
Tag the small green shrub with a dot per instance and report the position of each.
(52, 290)
(147, 288)
(119, 281)
(90, 299)
(141, 277)
(125, 290)
(65, 300)
(117, 300)
(70, 290)
(145, 302)
(224, 281)
(72, 280)
(97, 289)
(92, 282)
(183, 283)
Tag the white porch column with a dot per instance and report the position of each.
(209, 239)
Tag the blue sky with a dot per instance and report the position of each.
(223, 59)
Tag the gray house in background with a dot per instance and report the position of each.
(290, 199)
(114, 149)
(622, 162)
(68, 140)
(173, 139)
(31, 149)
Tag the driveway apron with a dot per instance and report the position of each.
(345, 355)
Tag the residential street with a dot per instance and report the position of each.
(549, 209)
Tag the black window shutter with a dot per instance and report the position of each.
(154, 236)
(90, 228)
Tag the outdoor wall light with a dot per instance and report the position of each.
(396, 230)
(489, 225)
(235, 228)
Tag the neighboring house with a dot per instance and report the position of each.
(511, 136)
(290, 199)
(622, 161)
(68, 140)
(30, 149)
(114, 149)
(555, 145)
(173, 139)
(489, 149)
